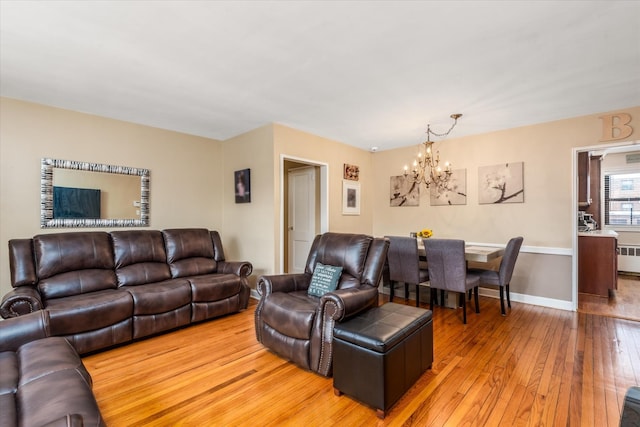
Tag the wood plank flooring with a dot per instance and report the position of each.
(623, 303)
(536, 366)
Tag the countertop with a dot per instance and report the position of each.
(598, 233)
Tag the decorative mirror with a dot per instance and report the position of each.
(81, 194)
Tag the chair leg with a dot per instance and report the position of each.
(470, 292)
(508, 299)
(464, 309)
(417, 295)
(432, 294)
(475, 297)
(392, 286)
(502, 311)
(441, 297)
(406, 291)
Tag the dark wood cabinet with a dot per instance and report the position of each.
(584, 180)
(597, 264)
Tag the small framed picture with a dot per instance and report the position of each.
(242, 182)
(351, 172)
(350, 197)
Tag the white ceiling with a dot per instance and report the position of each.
(366, 73)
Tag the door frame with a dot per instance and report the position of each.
(574, 207)
(324, 199)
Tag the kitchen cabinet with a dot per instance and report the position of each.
(597, 262)
(584, 181)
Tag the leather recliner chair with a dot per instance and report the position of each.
(298, 326)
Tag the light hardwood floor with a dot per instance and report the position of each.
(536, 366)
(623, 303)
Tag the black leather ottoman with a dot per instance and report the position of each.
(379, 355)
(631, 408)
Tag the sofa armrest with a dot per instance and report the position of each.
(239, 268)
(350, 301)
(282, 283)
(21, 300)
(17, 331)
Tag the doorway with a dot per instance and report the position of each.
(304, 209)
(610, 160)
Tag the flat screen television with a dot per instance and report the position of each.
(76, 203)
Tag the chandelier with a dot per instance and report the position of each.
(426, 167)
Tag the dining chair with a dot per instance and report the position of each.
(404, 265)
(448, 271)
(502, 277)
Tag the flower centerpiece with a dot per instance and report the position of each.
(425, 233)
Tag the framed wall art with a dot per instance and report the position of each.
(350, 197)
(403, 191)
(503, 183)
(242, 182)
(351, 172)
(455, 192)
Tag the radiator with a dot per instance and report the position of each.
(629, 258)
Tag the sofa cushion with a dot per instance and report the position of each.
(61, 252)
(77, 282)
(214, 287)
(161, 297)
(73, 263)
(140, 257)
(39, 358)
(9, 372)
(189, 251)
(8, 410)
(291, 314)
(66, 391)
(87, 312)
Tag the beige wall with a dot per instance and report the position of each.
(260, 222)
(252, 223)
(545, 219)
(186, 172)
(192, 185)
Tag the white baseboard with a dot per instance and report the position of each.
(529, 299)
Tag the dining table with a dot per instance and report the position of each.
(474, 253)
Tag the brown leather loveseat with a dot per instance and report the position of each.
(43, 381)
(103, 289)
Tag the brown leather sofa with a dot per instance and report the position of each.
(298, 326)
(43, 381)
(103, 289)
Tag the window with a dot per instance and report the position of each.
(621, 201)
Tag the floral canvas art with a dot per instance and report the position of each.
(403, 191)
(454, 193)
(502, 183)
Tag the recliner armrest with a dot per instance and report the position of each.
(21, 330)
(283, 283)
(21, 300)
(350, 301)
(239, 268)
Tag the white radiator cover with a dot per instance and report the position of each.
(629, 258)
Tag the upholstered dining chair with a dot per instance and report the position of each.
(404, 265)
(297, 312)
(502, 277)
(448, 271)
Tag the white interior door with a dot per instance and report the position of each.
(302, 217)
